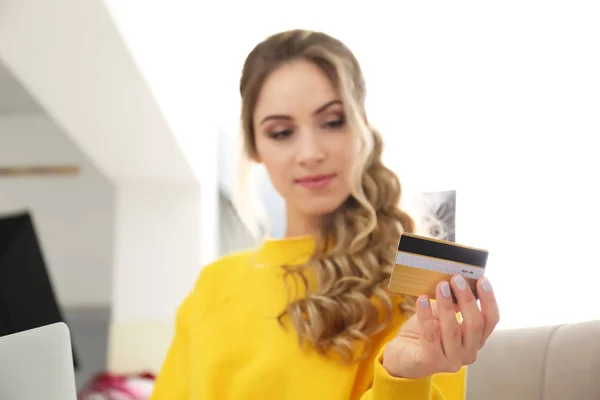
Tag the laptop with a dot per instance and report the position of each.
(37, 364)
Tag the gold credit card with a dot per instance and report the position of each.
(422, 263)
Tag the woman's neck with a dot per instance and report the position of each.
(301, 225)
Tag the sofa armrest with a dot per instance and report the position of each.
(547, 363)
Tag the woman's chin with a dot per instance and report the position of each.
(320, 207)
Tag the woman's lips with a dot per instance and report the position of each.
(316, 182)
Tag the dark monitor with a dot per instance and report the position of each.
(27, 299)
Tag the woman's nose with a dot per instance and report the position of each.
(310, 149)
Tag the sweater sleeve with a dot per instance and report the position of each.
(172, 382)
(436, 387)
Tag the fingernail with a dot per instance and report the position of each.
(424, 302)
(486, 284)
(446, 290)
(460, 282)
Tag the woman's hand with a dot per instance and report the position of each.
(433, 340)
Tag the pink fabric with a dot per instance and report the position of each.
(106, 386)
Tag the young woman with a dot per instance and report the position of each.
(309, 316)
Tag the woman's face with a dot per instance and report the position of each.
(303, 140)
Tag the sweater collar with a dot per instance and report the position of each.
(286, 251)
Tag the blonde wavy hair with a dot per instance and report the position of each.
(356, 245)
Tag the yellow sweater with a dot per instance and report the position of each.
(229, 345)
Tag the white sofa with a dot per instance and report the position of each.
(547, 363)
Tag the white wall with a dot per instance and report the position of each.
(157, 261)
(74, 215)
(180, 76)
(84, 77)
(233, 235)
(499, 101)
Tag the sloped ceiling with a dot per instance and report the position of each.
(13, 98)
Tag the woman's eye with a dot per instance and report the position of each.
(280, 134)
(337, 123)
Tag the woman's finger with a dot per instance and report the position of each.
(429, 333)
(472, 319)
(449, 327)
(489, 308)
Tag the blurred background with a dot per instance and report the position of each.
(132, 108)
